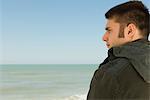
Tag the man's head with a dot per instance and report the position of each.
(126, 22)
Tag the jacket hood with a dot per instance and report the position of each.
(138, 53)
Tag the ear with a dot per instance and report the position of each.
(130, 31)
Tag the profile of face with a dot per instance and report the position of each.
(111, 36)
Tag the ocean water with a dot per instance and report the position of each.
(45, 82)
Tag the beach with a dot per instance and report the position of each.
(45, 81)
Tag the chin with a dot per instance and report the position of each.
(108, 47)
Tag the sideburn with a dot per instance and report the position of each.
(121, 31)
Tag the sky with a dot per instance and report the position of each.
(54, 31)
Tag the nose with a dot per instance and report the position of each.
(105, 37)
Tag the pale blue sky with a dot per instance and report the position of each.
(53, 31)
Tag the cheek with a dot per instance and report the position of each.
(113, 39)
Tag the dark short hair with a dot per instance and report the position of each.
(131, 12)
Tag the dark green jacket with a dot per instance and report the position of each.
(124, 74)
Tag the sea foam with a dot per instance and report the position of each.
(74, 97)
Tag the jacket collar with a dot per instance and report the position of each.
(138, 54)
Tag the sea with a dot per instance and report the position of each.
(45, 81)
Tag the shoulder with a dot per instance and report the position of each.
(118, 65)
(115, 66)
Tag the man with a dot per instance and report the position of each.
(125, 73)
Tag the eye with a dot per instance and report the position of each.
(109, 31)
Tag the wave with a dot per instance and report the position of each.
(75, 97)
(20, 97)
